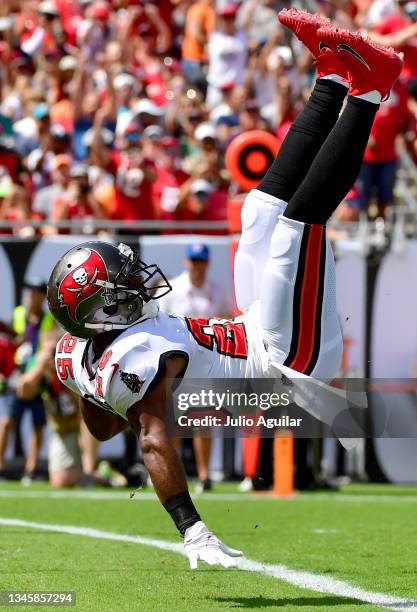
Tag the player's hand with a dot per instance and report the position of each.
(202, 545)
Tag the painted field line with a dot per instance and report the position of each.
(149, 495)
(301, 579)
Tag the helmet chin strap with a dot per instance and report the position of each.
(150, 311)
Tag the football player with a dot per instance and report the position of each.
(118, 351)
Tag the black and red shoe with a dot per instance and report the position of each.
(305, 26)
(370, 67)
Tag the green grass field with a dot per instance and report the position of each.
(365, 536)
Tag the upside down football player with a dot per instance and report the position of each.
(119, 350)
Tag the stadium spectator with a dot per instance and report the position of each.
(147, 112)
(348, 211)
(195, 295)
(203, 149)
(32, 131)
(86, 103)
(30, 323)
(369, 14)
(399, 30)
(338, 12)
(7, 369)
(134, 178)
(15, 207)
(11, 161)
(78, 200)
(39, 162)
(170, 177)
(250, 117)
(99, 143)
(46, 35)
(65, 459)
(411, 134)
(44, 199)
(95, 30)
(262, 20)
(150, 40)
(227, 51)
(199, 23)
(378, 173)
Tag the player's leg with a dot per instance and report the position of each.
(297, 304)
(264, 205)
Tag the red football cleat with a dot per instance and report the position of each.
(370, 67)
(305, 26)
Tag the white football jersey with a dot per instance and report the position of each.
(134, 362)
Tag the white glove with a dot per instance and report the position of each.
(201, 544)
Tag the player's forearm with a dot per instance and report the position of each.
(148, 419)
(168, 478)
(165, 468)
(163, 464)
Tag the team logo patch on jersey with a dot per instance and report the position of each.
(80, 283)
(132, 381)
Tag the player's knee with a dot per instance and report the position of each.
(286, 241)
(258, 220)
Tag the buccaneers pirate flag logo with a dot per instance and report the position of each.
(80, 283)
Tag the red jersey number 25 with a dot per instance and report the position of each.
(229, 337)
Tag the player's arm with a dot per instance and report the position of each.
(101, 424)
(148, 418)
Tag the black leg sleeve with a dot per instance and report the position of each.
(304, 140)
(336, 166)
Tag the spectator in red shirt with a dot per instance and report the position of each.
(77, 202)
(204, 201)
(46, 37)
(146, 26)
(7, 367)
(96, 31)
(134, 178)
(411, 135)
(170, 177)
(250, 118)
(378, 171)
(400, 31)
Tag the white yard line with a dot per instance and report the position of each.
(149, 495)
(304, 580)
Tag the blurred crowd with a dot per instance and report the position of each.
(123, 109)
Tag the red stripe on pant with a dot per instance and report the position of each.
(309, 302)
